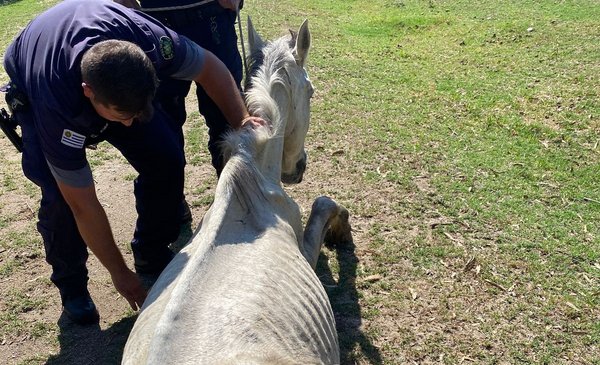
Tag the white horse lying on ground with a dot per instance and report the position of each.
(244, 290)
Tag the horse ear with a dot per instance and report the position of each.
(255, 42)
(302, 44)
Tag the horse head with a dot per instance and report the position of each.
(282, 62)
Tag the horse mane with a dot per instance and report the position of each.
(240, 175)
(265, 65)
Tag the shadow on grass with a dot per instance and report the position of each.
(354, 344)
(8, 2)
(87, 345)
(90, 344)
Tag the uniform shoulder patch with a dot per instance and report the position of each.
(72, 139)
(166, 47)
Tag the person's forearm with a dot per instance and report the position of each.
(95, 231)
(94, 227)
(218, 83)
(230, 4)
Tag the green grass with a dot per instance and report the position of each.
(14, 304)
(14, 14)
(195, 140)
(8, 267)
(495, 104)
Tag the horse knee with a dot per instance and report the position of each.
(337, 226)
(339, 231)
(324, 205)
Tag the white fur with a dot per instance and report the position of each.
(242, 291)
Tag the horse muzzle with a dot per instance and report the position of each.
(296, 176)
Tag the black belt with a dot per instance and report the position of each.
(180, 18)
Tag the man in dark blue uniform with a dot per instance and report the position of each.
(210, 24)
(88, 71)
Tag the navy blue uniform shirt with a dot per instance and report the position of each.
(44, 60)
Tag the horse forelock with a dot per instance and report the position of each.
(267, 68)
(270, 51)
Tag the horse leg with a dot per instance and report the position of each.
(328, 222)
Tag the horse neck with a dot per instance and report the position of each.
(270, 157)
(273, 104)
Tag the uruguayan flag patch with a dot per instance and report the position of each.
(72, 139)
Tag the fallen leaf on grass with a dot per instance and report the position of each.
(455, 240)
(580, 332)
(587, 278)
(373, 278)
(413, 293)
(495, 285)
(572, 306)
(440, 222)
(470, 264)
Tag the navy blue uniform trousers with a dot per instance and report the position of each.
(154, 150)
(213, 28)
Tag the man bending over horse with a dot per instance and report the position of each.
(210, 24)
(87, 71)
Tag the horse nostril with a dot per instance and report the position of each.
(301, 165)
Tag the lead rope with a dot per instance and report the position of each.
(242, 41)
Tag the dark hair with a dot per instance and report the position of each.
(120, 74)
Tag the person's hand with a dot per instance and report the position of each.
(230, 4)
(128, 284)
(129, 3)
(253, 122)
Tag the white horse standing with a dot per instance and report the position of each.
(244, 290)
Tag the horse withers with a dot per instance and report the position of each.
(244, 290)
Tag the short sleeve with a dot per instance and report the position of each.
(80, 178)
(192, 63)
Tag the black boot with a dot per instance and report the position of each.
(150, 263)
(81, 309)
(186, 213)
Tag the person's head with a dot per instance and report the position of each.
(120, 81)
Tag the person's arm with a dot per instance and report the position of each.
(95, 230)
(218, 83)
(230, 4)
